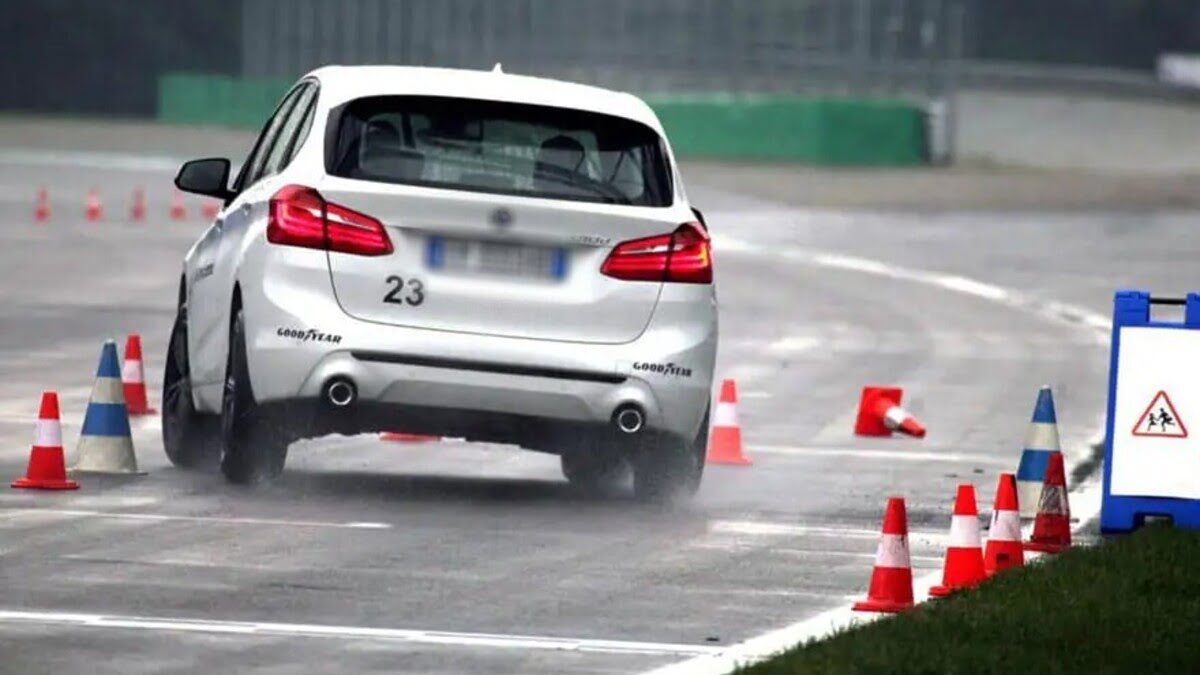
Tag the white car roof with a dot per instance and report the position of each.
(344, 83)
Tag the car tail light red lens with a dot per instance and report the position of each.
(300, 216)
(683, 256)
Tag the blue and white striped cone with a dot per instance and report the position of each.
(105, 444)
(1041, 441)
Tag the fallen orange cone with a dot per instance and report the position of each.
(47, 467)
(880, 414)
(891, 588)
(1052, 527)
(725, 438)
(963, 567)
(1004, 548)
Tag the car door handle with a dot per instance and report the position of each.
(245, 209)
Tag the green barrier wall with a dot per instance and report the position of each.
(828, 132)
(788, 128)
(218, 99)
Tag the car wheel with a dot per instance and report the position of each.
(191, 438)
(667, 469)
(254, 449)
(595, 467)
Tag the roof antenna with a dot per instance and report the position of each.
(496, 68)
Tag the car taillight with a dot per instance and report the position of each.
(300, 216)
(683, 256)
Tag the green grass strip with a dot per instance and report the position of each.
(1129, 605)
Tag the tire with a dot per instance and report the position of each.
(595, 467)
(191, 439)
(254, 449)
(667, 469)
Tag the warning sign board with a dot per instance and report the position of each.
(1157, 394)
(1160, 419)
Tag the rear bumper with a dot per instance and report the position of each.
(298, 341)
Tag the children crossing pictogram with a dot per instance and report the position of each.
(1160, 419)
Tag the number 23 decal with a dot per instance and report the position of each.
(411, 292)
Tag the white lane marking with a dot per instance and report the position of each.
(163, 517)
(500, 640)
(761, 528)
(873, 453)
(794, 343)
(91, 160)
(925, 560)
(1098, 327)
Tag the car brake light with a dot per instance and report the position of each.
(683, 256)
(300, 216)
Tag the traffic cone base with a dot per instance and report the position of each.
(891, 587)
(725, 436)
(47, 467)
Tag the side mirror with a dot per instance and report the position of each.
(208, 177)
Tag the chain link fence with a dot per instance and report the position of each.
(851, 47)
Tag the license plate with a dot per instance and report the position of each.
(496, 258)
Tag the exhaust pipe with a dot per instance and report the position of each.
(629, 418)
(340, 392)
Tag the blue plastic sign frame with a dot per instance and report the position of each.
(1121, 513)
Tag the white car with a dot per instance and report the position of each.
(458, 253)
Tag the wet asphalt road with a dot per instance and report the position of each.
(465, 552)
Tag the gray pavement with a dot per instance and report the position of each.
(489, 543)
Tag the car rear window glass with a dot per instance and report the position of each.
(504, 148)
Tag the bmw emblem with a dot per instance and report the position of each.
(501, 218)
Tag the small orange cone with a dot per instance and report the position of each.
(47, 468)
(402, 437)
(93, 210)
(137, 208)
(133, 379)
(1052, 527)
(41, 209)
(725, 439)
(178, 210)
(879, 414)
(964, 553)
(209, 209)
(1003, 548)
(891, 587)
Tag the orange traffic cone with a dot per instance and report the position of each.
(137, 208)
(891, 587)
(402, 437)
(725, 439)
(47, 468)
(93, 210)
(209, 209)
(133, 379)
(178, 210)
(964, 553)
(41, 209)
(1003, 548)
(879, 414)
(1052, 527)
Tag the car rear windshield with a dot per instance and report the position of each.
(504, 148)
